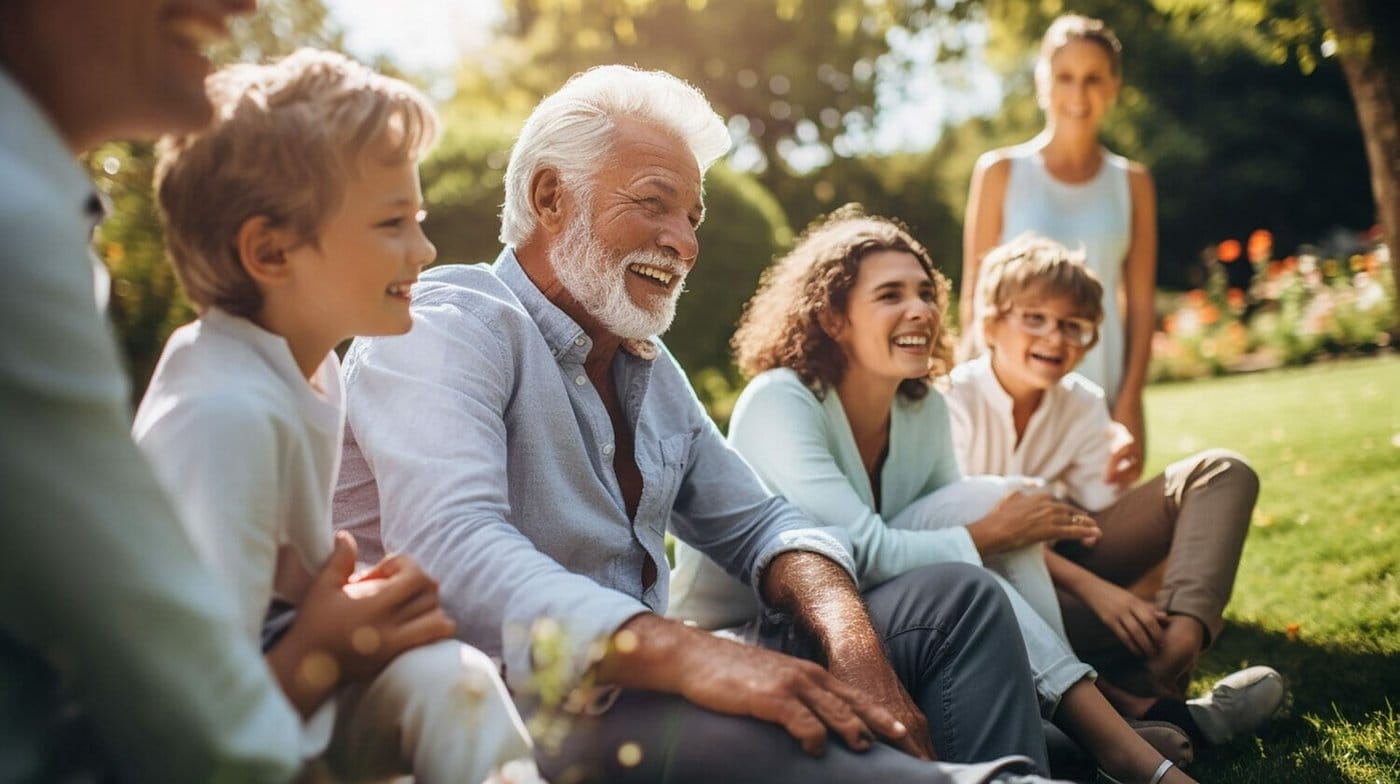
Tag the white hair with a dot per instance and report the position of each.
(571, 132)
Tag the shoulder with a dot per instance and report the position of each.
(994, 166)
(773, 395)
(208, 380)
(1137, 173)
(1080, 394)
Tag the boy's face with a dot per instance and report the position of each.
(355, 280)
(1036, 342)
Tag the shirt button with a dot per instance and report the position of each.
(608, 449)
(580, 380)
(579, 341)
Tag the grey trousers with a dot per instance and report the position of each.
(953, 641)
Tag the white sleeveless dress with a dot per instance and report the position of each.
(1094, 216)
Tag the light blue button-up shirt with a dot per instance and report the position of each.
(478, 445)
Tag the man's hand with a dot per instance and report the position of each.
(826, 605)
(1128, 448)
(872, 676)
(727, 677)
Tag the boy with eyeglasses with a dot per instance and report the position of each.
(1020, 409)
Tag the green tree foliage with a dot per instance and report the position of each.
(785, 71)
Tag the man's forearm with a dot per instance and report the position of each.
(823, 601)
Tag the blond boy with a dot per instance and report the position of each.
(1020, 409)
(293, 224)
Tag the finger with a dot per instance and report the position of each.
(421, 604)
(1147, 617)
(1141, 643)
(803, 725)
(837, 714)
(340, 564)
(419, 631)
(878, 718)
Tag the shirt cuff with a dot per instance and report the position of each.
(832, 541)
(548, 655)
(316, 730)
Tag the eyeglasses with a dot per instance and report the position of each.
(1077, 331)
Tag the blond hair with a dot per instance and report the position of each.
(781, 325)
(285, 139)
(1031, 264)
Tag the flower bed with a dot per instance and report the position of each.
(1292, 311)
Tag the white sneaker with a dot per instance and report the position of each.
(1239, 703)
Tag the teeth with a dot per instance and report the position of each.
(399, 289)
(911, 340)
(660, 275)
(197, 31)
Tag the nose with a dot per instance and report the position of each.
(678, 237)
(426, 251)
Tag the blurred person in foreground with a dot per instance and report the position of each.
(530, 441)
(119, 653)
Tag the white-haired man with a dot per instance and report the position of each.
(119, 654)
(530, 441)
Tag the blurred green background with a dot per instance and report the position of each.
(1243, 120)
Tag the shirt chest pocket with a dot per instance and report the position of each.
(668, 473)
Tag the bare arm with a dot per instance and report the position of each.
(1134, 621)
(981, 228)
(1140, 282)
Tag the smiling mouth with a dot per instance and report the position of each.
(400, 290)
(911, 341)
(654, 275)
(196, 32)
(1048, 358)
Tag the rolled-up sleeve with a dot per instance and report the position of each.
(428, 411)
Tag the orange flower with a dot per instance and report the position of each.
(1169, 324)
(1290, 264)
(1228, 251)
(1209, 314)
(1261, 245)
(1373, 263)
(1235, 296)
(1196, 297)
(1291, 631)
(1275, 269)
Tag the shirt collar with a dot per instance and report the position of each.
(321, 398)
(566, 339)
(35, 141)
(986, 382)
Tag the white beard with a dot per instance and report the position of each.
(598, 280)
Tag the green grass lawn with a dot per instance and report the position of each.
(1318, 595)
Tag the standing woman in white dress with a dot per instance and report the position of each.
(1065, 185)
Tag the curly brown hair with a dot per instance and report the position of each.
(781, 325)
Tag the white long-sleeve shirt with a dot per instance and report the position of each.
(101, 583)
(249, 452)
(1067, 441)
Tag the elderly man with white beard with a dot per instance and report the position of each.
(530, 440)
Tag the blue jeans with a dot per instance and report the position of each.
(953, 641)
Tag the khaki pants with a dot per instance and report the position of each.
(1194, 517)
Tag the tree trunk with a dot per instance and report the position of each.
(1368, 42)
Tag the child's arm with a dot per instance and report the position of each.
(1137, 623)
(348, 628)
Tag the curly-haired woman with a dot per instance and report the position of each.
(843, 339)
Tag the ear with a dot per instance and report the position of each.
(547, 200)
(832, 323)
(262, 251)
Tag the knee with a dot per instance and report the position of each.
(445, 668)
(1232, 468)
(971, 587)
